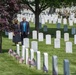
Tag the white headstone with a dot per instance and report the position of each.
(34, 34)
(68, 48)
(34, 46)
(31, 54)
(38, 60)
(32, 19)
(64, 21)
(55, 65)
(74, 39)
(58, 34)
(40, 36)
(10, 35)
(56, 43)
(23, 52)
(46, 19)
(43, 21)
(45, 59)
(48, 39)
(18, 49)
(27, 55)
(70, 22)
(26, 42)
(66, 36)
(74, 20)
(50, 21)
(54, 21)
(59, 20)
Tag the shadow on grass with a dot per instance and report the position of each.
(5, 50)
(73, 73)
(52, 32)
(3, 35)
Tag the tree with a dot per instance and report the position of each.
(41, 5)
(8, 8)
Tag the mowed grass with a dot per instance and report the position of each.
(9, 65)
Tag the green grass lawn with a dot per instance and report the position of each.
(9, 65)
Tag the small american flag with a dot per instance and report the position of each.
(29, 61)
(34, 62)
(17, 57)
(21, 60)
(54, 72)
(10, 51)
(44, 68)
(14, 53)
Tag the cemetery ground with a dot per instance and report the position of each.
(10, 66)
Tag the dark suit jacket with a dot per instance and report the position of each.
(27, 27)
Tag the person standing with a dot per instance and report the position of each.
(16, 33)
(24, 29)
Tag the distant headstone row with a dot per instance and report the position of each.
(51, 18)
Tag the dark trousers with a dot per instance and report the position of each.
(23, 35)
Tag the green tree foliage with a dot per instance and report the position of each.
(41, 5)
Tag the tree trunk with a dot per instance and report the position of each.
(0, 41)
(37, 21)
(37, 15)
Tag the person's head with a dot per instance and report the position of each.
(23, 19)
(15, 21)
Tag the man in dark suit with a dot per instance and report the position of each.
(24, 28)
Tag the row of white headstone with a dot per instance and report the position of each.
(34, 44)
(68, 45)
(25, 56)
(48, 36)
(48, 18)
(59, 20)
(28, 17)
